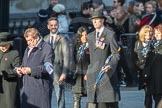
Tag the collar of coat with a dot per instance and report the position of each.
(122, 21)
(58, 37)
(38, 45)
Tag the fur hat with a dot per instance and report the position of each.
(58, 8)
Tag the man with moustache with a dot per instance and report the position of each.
(104, 94)
(60, 46)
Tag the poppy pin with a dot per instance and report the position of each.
(6, 59)
(102, 39)
(57, 38)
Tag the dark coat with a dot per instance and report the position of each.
(82, 20)
(137, 49)
(156, 70)
(121, 27)
(41, 26)
(151, 19)
(140, 63)
(36, 88)
(8, 79)
(81, 67)
(107, 89)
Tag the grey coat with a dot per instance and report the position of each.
(9, 79)
(61, 50)
(107, 89)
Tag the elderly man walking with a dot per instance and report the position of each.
(102, 93)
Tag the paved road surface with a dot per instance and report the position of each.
(130, 98)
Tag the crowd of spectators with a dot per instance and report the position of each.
(135, 28)
(120, 17)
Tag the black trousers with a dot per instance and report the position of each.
(103, 105)
(148, 97)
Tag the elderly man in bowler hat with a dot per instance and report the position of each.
(104, 94)
(9, 60)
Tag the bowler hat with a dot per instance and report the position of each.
(97, 14)
(43, 13)
(5, 38)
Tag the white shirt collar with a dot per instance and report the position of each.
(100, 30)
(54, 35)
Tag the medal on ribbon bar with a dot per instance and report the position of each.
(100, 44)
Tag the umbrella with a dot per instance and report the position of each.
(101, 73)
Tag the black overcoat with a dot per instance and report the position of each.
(156, 70)
(81, 68)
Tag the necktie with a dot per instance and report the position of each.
(97, 36)
(52, 41)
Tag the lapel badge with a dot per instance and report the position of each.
(102, 38)
(5, 58)
(57, 38)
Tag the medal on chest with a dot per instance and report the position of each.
(100, 43)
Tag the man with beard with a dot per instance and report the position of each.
(60, 46)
